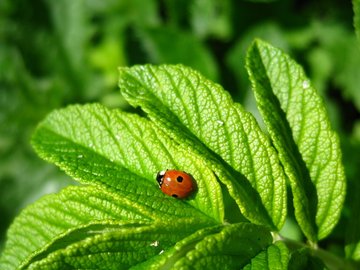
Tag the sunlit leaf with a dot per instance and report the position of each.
(299, 126)
(198, 113)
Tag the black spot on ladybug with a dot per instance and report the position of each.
(174, 195)
(179, 179)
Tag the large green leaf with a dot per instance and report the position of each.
(222, 247)
(201, 115)
(96, 145)
(299, 126)
(104, 218)
(118, 154)
(117, 247)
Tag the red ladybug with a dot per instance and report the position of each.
(175, 183)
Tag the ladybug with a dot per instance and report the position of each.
(175, 183)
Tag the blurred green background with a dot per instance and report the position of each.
(54, 53)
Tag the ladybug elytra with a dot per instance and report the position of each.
(175, 183)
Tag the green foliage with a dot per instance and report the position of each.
(356, 7)
(125, 150)
(55, 53)
(276, 256)
(300, 129)
(191, 125)
(197, 112)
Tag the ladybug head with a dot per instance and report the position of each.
(160, 177)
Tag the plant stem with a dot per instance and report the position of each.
(331, 261)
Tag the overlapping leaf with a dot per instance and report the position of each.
(299, 126)
(71, 216)
(219, 247)
(198, 113)
(276, 256)
(356, 7)
(119, 247)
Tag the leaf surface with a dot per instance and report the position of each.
(201, 115)
(82, 214)
(356, 8)
(118, 247)
(298, 124)
(221, 247)
(96, 145)
(276, 256)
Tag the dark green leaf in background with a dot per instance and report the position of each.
(356, 8)
(211, 18)
(161, 43)
(225, 247)
(301, 259)
(276, 256)
(352, 159)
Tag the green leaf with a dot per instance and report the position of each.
(96, 145)
(75, 32)
(302, 259)
(116, 247)
(222, 247)
(300, 129)
(352, 237)
(346, 76)
(275, 256)
(268, 30)
(185, 48)
(81, 215)
(351, 150)
(211, 18)
(201, 115)
(356, 7)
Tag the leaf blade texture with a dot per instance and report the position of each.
(276, 256)
(198, 112)
(218, 247)
(298, 124)
(96, 145)
(67, 221)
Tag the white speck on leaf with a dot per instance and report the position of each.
(220, 122)
(154, 244)
(306, 84)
